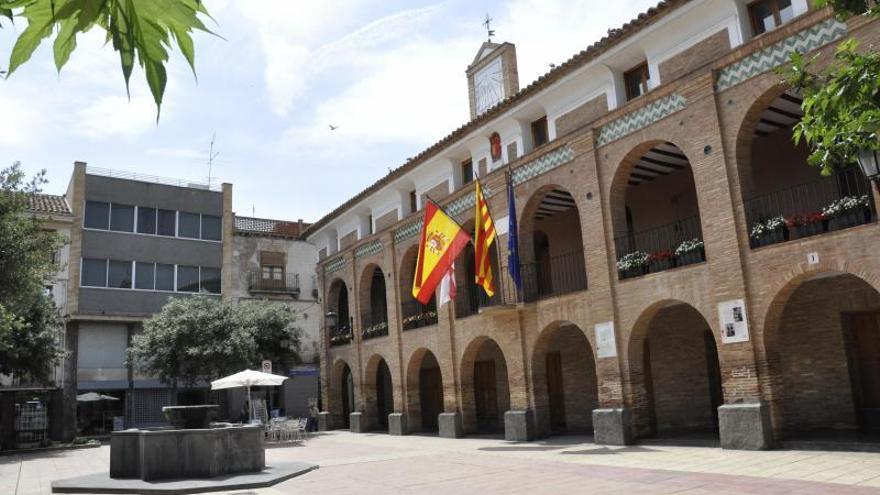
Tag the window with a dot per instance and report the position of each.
(272, 272)
(167, 222)
(413, 203)
(369, 224)
(164, 277)
(636, 81)
(210, 280)
(539, 131)
(211, 227)
(467, 172)
(146, 223)
(188, 225)
(144, 275)
(767, 15)
(119, 275)
(122, 218)
(94, 273)
(97, 215)
(187, 278)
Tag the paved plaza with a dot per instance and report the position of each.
(383, 464)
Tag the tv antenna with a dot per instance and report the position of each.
(489, 31)
(211, 156)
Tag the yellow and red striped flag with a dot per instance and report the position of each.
(441, 242)
(484, 233)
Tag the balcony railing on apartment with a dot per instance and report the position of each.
(834, 203)
(374, 326)
(556, 276)
(474, 299)
(660, 248)
(340, 335)
(417, 315)
(281, 283)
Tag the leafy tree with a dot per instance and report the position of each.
(138, 30)
(275, 334)
(842, 101)
(29, 321)
(195, 338)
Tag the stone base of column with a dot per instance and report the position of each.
(325, 421)
(745, 426)
(357, 422)
(612, 426)
(519, 426)
(397, 424)
(450, 425)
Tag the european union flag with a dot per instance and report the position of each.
(512, 237)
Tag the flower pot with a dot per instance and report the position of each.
(691, 257)
(773, 237)
(636, 271)
(849, 219)
(801, 231)
(660, 265)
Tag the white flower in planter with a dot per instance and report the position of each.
(844, 205)
(689, 246)
(631, 260)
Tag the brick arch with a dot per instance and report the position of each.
(808, 325)
(342, 307)
(415, 395)
(665, 159)
(564, 401)
(482, 349)
(371, 299)
(745, 135)
(339, 406)
(673, 370)
(378, 397)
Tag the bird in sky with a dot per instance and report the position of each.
(333, 127)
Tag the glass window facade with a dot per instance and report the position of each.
(97, 215)
(166, 223)
(187, 278)
(146, 221)
(119, 275)
(188, 225)
(210, 280)
(164, 277)
(94, 273)
(121, 218)
(211, 228)
(144, 275)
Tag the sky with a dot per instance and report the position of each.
(390, 75)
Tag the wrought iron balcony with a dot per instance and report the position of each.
(832, 203)
(374, 326)
(660, 248)
(556, 276)
(417, 315)
(340, 335)
(277, 283)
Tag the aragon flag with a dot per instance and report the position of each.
(484, 234)
(441, 241)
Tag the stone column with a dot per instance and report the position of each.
(745, 426)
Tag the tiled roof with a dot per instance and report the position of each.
(48, 203)
(268, 227)
(612, 39)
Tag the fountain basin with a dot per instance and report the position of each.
(191, 417)
(189, 453)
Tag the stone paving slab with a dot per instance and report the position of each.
(100, 483)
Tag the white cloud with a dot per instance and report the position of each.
(116, 117)
(22, 117)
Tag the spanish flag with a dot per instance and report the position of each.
(484, 231)
(441, 242)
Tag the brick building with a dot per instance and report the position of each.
(664, 294)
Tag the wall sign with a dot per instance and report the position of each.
(733, 320)
(605, 343)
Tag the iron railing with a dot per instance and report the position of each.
(797, 211)
(373, 326)
(554, 276)
(168, 181)
(660, 248)
(340, 335)
(416, 315)
(471, 299)
(286, 283)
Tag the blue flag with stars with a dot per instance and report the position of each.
(512, 237)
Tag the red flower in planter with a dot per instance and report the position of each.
(803, 219)
(661, 256)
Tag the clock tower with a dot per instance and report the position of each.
(492, 76)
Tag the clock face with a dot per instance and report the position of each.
(488, 86)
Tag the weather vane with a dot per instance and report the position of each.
(489, 31)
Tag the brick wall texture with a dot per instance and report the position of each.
(798, 357)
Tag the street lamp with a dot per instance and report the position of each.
(330, 319)
(869, 161)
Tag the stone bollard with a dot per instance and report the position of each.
(357, 422)
(450, 425)
(612, 426)
(519, 426)
(397, 424)
(745, 426)
(325, 421)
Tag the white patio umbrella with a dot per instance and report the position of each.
(93, 397)
(248, 378)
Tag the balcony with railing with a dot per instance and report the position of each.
(340, 335)
(374, 326)
(829, 204)
(553, 276)
(417, 315)
(273, 283)
(660, 248)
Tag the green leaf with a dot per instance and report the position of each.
(40, 21)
